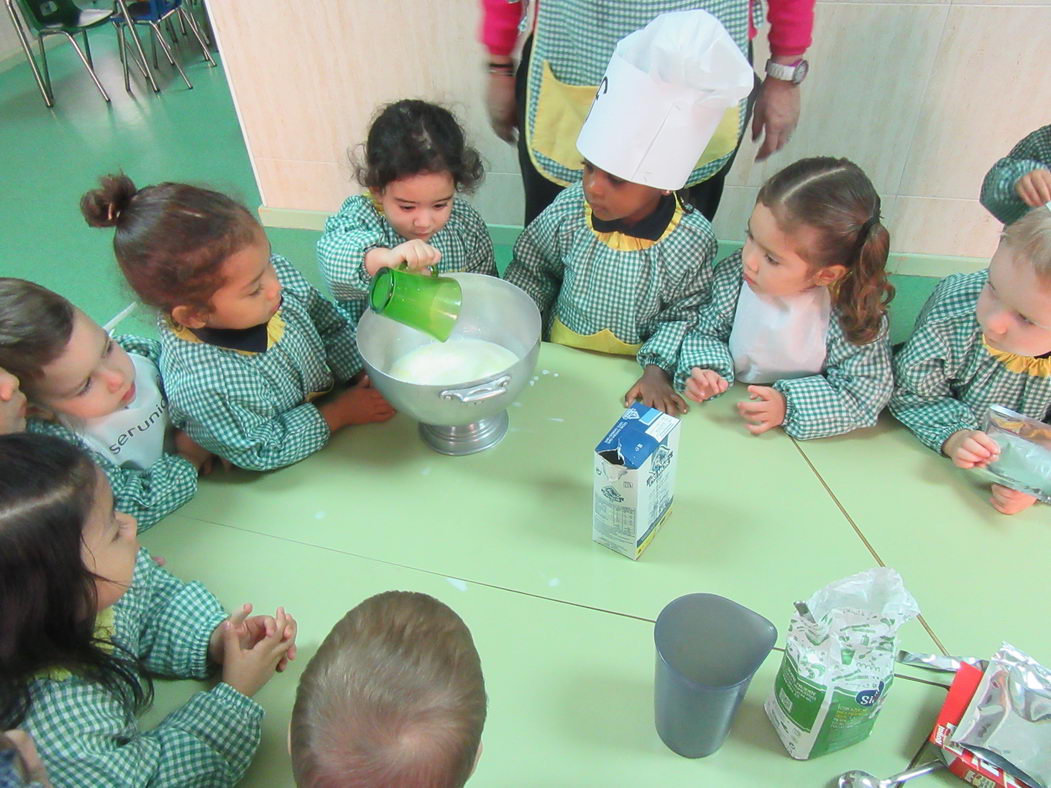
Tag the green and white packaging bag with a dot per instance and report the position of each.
(839, 663)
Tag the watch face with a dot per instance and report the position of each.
(801, 71)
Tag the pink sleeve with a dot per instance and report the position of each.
(500, 20)
(791, 25)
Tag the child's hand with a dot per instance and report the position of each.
(655, 390)
(1008, 501)
(360, 404)
(247, 669)
(1035, 188)
(187, 448)
(12, 404)
(764, 410)
(704, 384)
(26, 748)
(417, 254)
(971, 449)
(250, 630)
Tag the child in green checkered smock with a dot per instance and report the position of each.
(614, 287)
(102, 394)
(247, 343)
(416, 162)
(1021, 180)
(617, 263)
(982, 339)
(89, 616)
(800, 312)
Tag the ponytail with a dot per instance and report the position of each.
(837, 199)
(863, 294)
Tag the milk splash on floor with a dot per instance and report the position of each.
(455, 361)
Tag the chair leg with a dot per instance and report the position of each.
(143, 65)
(197, 34)
(87, 65)
(48, 99)
(122, 48)
(47, 71)
(87, 48)
(159, 38)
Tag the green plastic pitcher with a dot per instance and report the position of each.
(428, 303)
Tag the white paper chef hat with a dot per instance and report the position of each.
(662, 97)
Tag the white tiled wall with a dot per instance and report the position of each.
(924, 95)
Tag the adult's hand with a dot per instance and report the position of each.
(500, 101)
(776, 113)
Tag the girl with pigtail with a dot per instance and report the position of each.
(800, 313)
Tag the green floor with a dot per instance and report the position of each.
(562, 624)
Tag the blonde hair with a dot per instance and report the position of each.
(394, 696)
(1030, 239)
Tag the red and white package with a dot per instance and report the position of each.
(962, 762)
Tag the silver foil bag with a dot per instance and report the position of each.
(1008, 721)
(1025, 452)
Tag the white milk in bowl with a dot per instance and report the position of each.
(452, 362)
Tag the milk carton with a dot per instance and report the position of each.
(634, 479)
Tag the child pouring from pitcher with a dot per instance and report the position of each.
(415, 165)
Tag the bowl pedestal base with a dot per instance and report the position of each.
(465, 438)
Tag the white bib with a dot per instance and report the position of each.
(777, 338)
(133, 436)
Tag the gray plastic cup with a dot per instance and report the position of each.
(708, 649)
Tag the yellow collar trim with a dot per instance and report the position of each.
(621, 242)
(1028, 365)
(275, 330)
(376, 204)
(604, 341)
(105, 629)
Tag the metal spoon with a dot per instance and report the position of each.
(859, 779)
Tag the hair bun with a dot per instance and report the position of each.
(102, 207)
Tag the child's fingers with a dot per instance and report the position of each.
(759, 427)
(987, 443)
(239, 616)
(632, 395)
(764, 393)
(1041, 183)
(678, 404)
(752, 408)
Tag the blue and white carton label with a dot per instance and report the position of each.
(634, 479)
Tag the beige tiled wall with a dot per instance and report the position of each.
(924, 95)
(10, 48)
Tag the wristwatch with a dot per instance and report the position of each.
(794, 73)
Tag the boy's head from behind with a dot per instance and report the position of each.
(394, 696)
(66, 363)
(1014, 308)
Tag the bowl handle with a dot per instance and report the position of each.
(494, 388)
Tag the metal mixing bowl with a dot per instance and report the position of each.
(470, 416)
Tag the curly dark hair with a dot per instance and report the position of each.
(411, 136)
